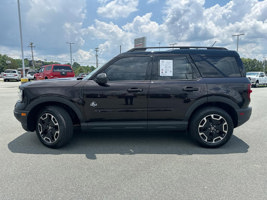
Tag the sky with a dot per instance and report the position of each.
(109, 24)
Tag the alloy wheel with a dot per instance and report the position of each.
(48, 128)
(213, 128)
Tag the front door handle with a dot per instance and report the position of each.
(190, 89)
(135, 90)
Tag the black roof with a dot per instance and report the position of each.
(182, 50)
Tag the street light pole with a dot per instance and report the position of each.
(21, 41)
(237, 39)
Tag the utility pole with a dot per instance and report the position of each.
(120, 49)
(96, 56)
(237, 39)
(264, 64)
(70, 43)
(31, 45)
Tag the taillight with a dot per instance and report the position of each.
(249, 91)
(4, 75)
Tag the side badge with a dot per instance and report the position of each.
(93, 104)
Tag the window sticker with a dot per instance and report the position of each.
(166, 68)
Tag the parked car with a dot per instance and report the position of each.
(11, 74)
(81, 76)
(257, 78)
(30, 75)
(202, 90)
(54, 71)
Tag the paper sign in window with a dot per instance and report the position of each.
(166, 68)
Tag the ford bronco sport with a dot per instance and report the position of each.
(203, 90)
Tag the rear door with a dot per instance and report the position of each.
(175, 86)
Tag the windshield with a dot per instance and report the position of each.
(252, 73)
(91, 73)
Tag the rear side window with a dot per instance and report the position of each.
(60, 68)
(216, 67)
(173, 68)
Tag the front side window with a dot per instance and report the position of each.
(173, 68)
(129, 68)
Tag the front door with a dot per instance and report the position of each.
(124, 97)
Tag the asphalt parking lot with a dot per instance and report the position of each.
(117, 166)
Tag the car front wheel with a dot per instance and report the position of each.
(211, 127)
(54, 127)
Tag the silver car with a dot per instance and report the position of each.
(11, 74)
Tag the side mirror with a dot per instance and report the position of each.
(101, 79)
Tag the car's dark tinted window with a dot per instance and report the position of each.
(129, 68)
(217, 67)
(10, 71)
(173, 67)
(60, 68)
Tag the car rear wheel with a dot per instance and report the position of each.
(211, 127)
(54, 127)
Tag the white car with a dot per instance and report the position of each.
(257, 78)
(11, 74)
(30, 75)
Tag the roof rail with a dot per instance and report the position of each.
(175, 47)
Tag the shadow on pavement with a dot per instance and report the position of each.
(92, 144)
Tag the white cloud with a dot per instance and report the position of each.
(117, 8)
(189, 21)
(52, 23)
(152, 1)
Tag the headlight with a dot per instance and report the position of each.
(20, 94)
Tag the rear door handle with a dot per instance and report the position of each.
(190, 89)
(135, 90)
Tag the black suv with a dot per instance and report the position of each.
(200, 89)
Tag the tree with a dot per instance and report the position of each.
(252, 64)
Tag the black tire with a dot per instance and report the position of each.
(54, 127)
(211, 127)
(257, 84)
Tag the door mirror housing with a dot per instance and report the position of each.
(101, 79)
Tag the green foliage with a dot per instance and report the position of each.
(83, 69)
(253, 64)
(75, 66)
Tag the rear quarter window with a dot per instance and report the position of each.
(217, 66)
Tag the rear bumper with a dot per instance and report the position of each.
(243, 115)
(11, 78)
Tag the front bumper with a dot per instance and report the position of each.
(243, 115)
(21, 115)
